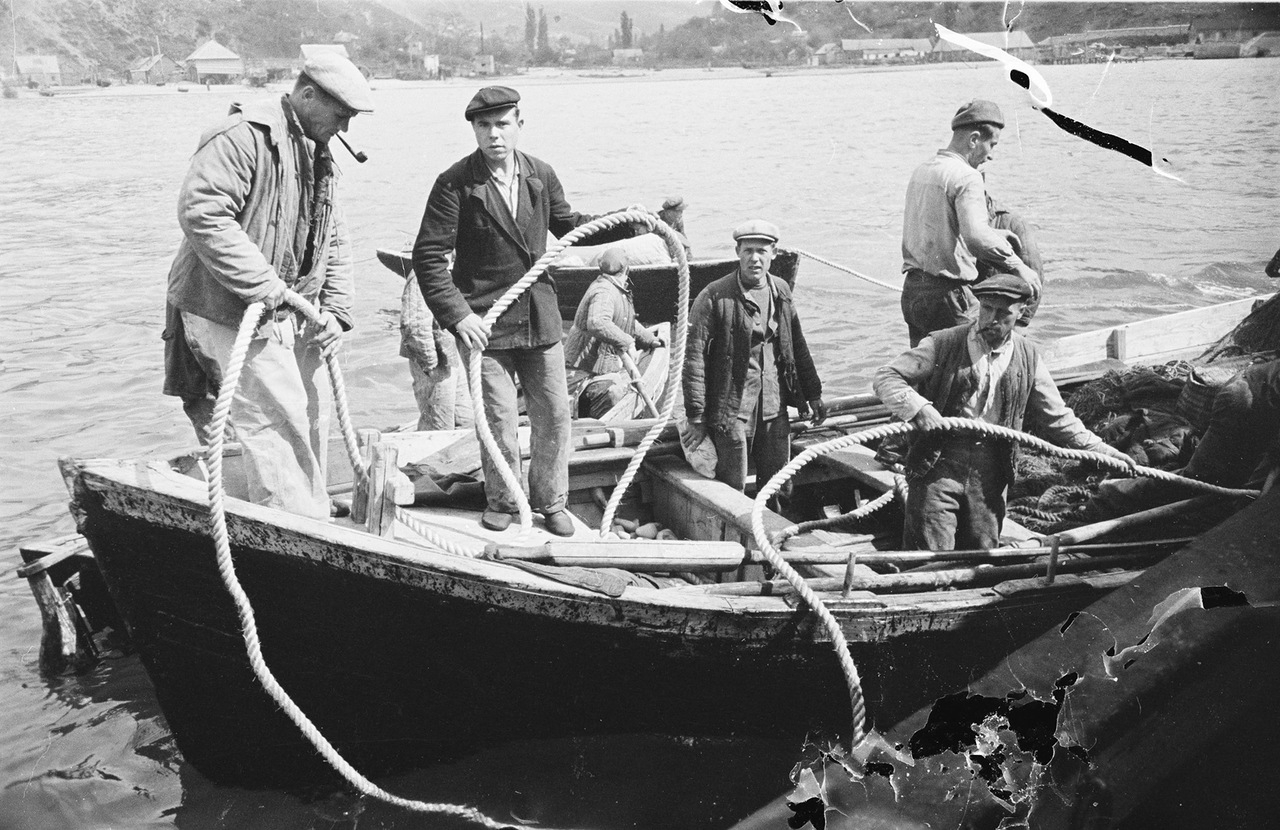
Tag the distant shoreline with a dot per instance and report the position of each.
(534, 76)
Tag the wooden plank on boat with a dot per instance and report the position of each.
(651, 556)
(1153, 340)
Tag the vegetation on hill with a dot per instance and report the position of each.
(392, 35)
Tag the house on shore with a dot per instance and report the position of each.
(213, 63)
(155, 69)
(1016, 43)
(41, 70)
(886, 49)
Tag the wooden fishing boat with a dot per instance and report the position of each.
(403, 654)
(653, 287)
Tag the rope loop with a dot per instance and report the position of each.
(244, 610)
(767, 548)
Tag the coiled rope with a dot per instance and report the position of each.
(475, 386)
(847, 270)
(226, 568)
(513, 293)
(857, 701)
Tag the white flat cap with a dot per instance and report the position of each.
(340, 78)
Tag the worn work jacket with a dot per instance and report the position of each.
(464, 214)
(604, 327)
(239, 210)
(717, 354)
(954, 380)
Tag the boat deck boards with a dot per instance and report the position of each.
(460, 525)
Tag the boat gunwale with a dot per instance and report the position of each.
(489, 582)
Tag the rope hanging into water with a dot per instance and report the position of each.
(244, 610)
(857, 701)
(475, 356)
(847, 270)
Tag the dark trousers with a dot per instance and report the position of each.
(931, 303)
(768, 445)
(959, 503)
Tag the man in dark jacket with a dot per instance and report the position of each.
(984, 371)
(747, 361)
(493, 209)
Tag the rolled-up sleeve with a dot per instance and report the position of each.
(895, 382)
(1053, 419)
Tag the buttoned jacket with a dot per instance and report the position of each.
(492, 251)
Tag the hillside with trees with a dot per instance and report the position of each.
(389, 37)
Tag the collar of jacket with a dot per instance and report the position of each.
(275, 116)
(477, 188)
(624, 287)
(744, 293)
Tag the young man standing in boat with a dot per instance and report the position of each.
(746, 361)
(605, 328)
(984, 371)
(493, 210)
(945, 230)
(259, 215)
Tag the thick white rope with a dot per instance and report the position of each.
(856, 700)
(475, 356)
(848, 270)
(226, 570)
(679, 337)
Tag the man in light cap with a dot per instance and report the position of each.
(259, 215)
(604, 329)
(945, 231)
(493, 210)
(746, 361)
(985, 371)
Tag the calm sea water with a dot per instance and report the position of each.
(87, 230)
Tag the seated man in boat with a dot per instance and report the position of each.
(1240, 448)
(985, 371)
(604, 337)
(259, 216)
(746, 361)
(945, 231)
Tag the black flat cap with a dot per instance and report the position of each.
(491, 98)
(1003, 285)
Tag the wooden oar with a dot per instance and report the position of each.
(637, 380)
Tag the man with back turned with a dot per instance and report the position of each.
(259, 215)
(493, 209)
(945, 231)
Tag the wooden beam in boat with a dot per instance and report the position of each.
(652, 556)
(1153, 340)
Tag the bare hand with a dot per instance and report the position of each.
(473, 332)
(927, 419)
(327, 334)
(276, 297)
(819, 408)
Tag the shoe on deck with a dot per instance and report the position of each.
(495, 519)
(560, 523)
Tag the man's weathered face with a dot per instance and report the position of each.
(982, 150)
(321, 115)
(997, 317)
(497, 133)
(754, 258)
